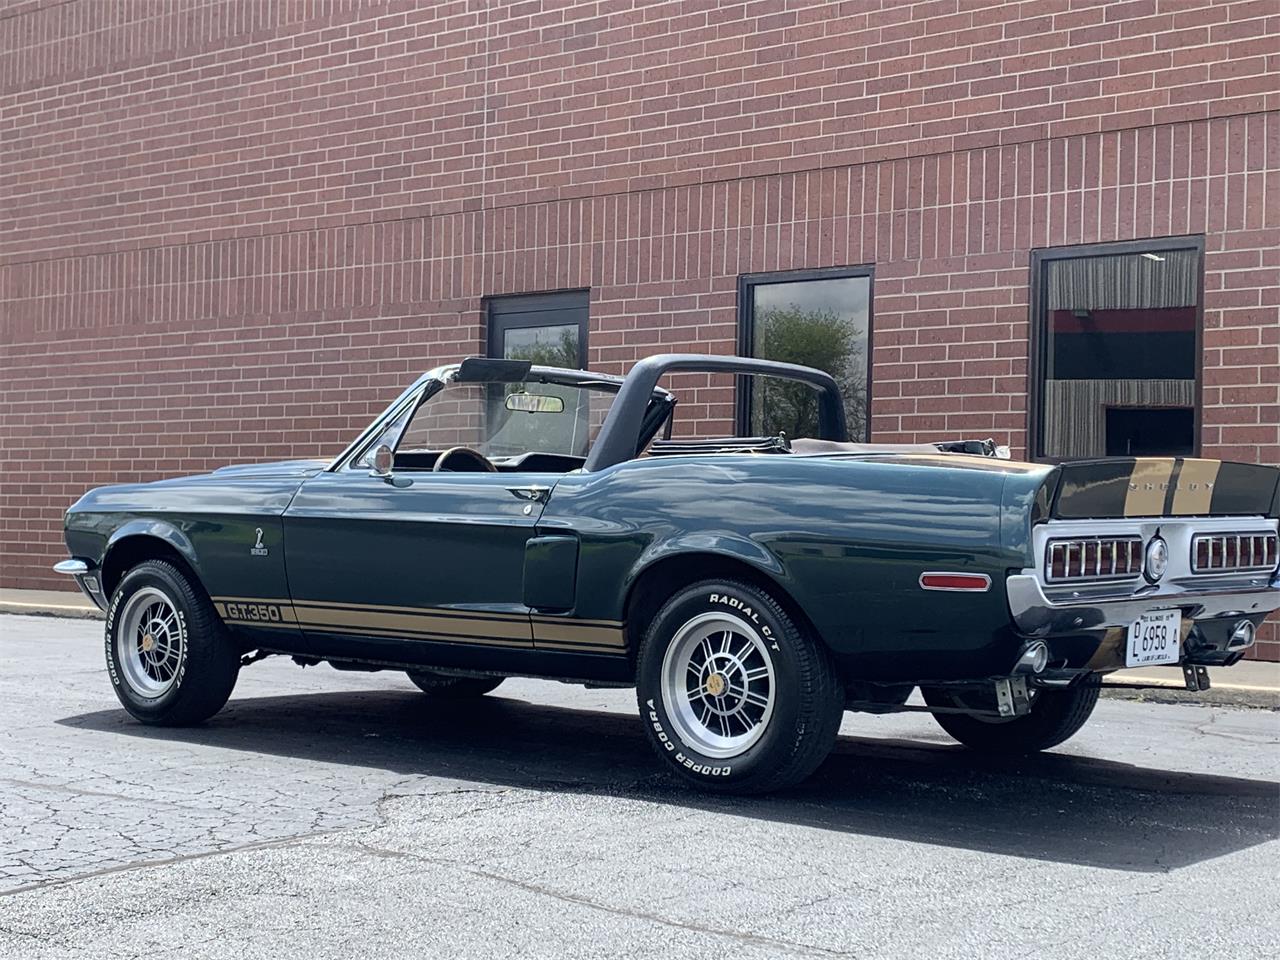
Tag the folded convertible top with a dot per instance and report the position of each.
(807, 447)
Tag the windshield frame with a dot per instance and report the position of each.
(432, 382)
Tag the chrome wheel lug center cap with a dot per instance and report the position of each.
(717, 684)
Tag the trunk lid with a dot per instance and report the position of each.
(1162, 487)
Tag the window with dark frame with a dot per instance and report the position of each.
(818, 318)
(1115, 361)
(549, 329)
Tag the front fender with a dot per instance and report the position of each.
(159, 530)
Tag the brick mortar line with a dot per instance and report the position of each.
(34, 11)
(368, 220)
(193, 52)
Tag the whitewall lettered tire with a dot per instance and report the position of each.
(734, 695)
(170, 659)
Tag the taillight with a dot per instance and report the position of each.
(1233, 552)
(1093, 558)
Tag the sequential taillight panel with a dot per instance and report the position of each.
(1233, 552)
(1093, 558)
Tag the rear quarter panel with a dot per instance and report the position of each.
(846, 539)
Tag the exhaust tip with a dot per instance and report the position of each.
(1243, 636)
(1033, 659)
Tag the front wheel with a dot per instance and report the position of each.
(170, 658)
(735, 696)
(1055, 716)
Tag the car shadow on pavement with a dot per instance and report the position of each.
(1052, 807)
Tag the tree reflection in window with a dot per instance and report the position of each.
(822, 322)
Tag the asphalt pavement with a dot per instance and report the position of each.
(326, 814)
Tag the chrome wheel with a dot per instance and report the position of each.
(149, 642)
(718, 685)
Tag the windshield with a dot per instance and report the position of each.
(508, 419)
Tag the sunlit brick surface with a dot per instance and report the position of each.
(231, 231)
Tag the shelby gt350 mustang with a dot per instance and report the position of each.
(504, 519)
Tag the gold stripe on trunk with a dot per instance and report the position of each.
(1195, 487)
(1148, 484)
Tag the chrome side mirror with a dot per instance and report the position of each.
(383, 461)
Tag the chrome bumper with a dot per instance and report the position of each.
(86, 579)
(1038, 616)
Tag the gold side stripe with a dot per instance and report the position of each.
(456, 626)
(434, 611)
(431, 622)
(1148, 483)
(415, 635)
(1195, 487)
(478, 641)
(542, 618)
(571, 633)
(256, 611)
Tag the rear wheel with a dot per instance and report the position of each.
(734, 695)
(1055, 716)
(452, 688)
(170, 658)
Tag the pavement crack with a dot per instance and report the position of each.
(538, 889)
(168, 861)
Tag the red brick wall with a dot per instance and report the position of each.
(232, 230)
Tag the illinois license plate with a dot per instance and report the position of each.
(1154, 638)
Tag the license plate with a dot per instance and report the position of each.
(1154, 638)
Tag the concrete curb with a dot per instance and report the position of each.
(1220, 694)
(51, 610)
(1226, 695)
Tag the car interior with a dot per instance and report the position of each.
(490, 419)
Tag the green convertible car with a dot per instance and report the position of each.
(502, 519)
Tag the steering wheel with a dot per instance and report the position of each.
(478, 462)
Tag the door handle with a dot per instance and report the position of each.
(535, 493)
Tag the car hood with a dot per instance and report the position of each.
(257, 487)
(279, 468)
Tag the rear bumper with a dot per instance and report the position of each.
(1036, 615)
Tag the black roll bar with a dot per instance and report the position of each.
(620, 433)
